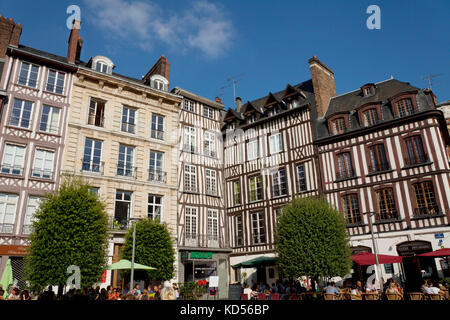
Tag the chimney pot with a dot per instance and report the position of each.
(238, 104)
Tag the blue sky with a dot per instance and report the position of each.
(267, 42)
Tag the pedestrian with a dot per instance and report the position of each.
(25, 295)
(177, 291)
(167, 293)
(15, 294)
(2, 293)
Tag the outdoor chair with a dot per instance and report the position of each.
(293, 297)
(371, 296)
(330, 296)
(244, 296)
(416, 296)
(393, 296)
(349, 296)
(436, 296)
(275, 296)
(261, 296)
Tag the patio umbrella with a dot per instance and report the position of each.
(257, 262)
(7, 278)
(126, 264)
(367, 259)
(444, 252)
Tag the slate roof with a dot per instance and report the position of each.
(41, 53)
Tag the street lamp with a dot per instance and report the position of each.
(132, 254)
(375, 249)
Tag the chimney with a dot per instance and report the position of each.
(161, 67)
(218, 100)
(9, 34)
(75, 43)
(238, 104)
(323, 84)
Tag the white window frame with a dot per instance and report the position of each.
(277, 183)
(256, 230)
(208, 112)
(14, 156)
(256, 188)
(190, 178)
(128, 167)
(53, 120)
(189, 142)
(252, 149)
(33, 203)
(213, 225)
(27, 81)
(44, 171)
(102, 114)
(211, 181)
(157, 126)
(189, 105)
(300, 179)
(55, 84)
(155, 205)
(191, 223)
(275, 143)
(239, 230)
(8, 200)
(91, 156)
(21, 115)
(127, 125)
(210, 144)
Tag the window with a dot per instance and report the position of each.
(367, 91)
(425, 199)
(96, 112)
(277, 212)
(189, 139)
(378, 160)
(191, 223)
(389, 268)
(156, 168)
(50, 119)
(157, 130)
(301, 177)
(32, 207)
(92, 155)
(213, 225)
(386, 204)
(258, 232)
(210, 144)
(122, 212)
(415, 151)
(155, 207)
(252, 150)
(345, 167)
(43, 164)
(339, 126)
(190, 178)
(125, 162)
(8, 205)
(237, 192)
(293, 104)
(405, 107)
(252, 118)
(55, 81)
(189, 105)
(13, 159)
(128, 120)
(351, 209)
(208, 112)
(28, 74)
(101, 67)
(21, 113)
(158, 84)
(370, 117)
(275, 143)
(211, 185)
(279, 183)
(239, 231)
(255, 187)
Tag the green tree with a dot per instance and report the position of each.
(153, 248)
(311, 240)
(70, 228)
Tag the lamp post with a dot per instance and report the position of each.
(132, 256)
(375, 249)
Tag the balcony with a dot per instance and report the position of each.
(203, 241)
(417, 160)
(92, 166)
(126, 171)
(6, 228)
(342, 175)
(157, 176)
(128, 127)
(379, 167)
(157, 134)
(11, 169)
(42, 174)
(425, 212)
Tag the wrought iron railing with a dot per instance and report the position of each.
(203, 240)
(157, 176)
(128, 127)
(126, 171)
(93, 166)
(157, 134)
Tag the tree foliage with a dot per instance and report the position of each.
(70, 228)
(153, 248)
(311, 240)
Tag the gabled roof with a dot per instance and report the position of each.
(271, 100)
(292, 91)
(249, 106)
(231, 113)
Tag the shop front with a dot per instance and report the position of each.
(200, 265)
(16, 254)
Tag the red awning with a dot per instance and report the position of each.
(444, 252)
(367, 259)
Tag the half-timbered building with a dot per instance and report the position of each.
(383, 160)
(202, 246)
(37, 86)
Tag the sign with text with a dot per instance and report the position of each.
(213, 281)
(201, 255)
(439, 236)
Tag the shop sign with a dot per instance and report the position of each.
(13, 250)
(439, 236)
(201, 255)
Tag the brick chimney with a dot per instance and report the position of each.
(161, 67)
(218, 100)
(75, 43)
(238, 104)
(9, 34)
(323, 84)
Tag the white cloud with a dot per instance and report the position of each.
(202, 25)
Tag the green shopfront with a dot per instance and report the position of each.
(200, 265)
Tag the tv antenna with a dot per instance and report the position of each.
(220, 95)
(429, 78)
(235, 80)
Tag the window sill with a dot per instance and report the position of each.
(11, 175)
(42, 179)
(20, 128)
(357, 224)
(62, 95)
(417, 165)
(345, 179)
(191, 192)
(379, 172)
(438, 215)
(394, 220)
(255, 201)
(57, 135)
(280, 196)
(28, 87)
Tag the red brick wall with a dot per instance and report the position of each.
(9, 34)
(323, 83)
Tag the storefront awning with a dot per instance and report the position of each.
(444, 252)
(367, 259)
(257, 262)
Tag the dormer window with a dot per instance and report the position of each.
(338, 125)
(159, 82)
(102, 64)
(370, 117)
(252, 118)
(293, 104)
(405, 107)
(368, 89)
